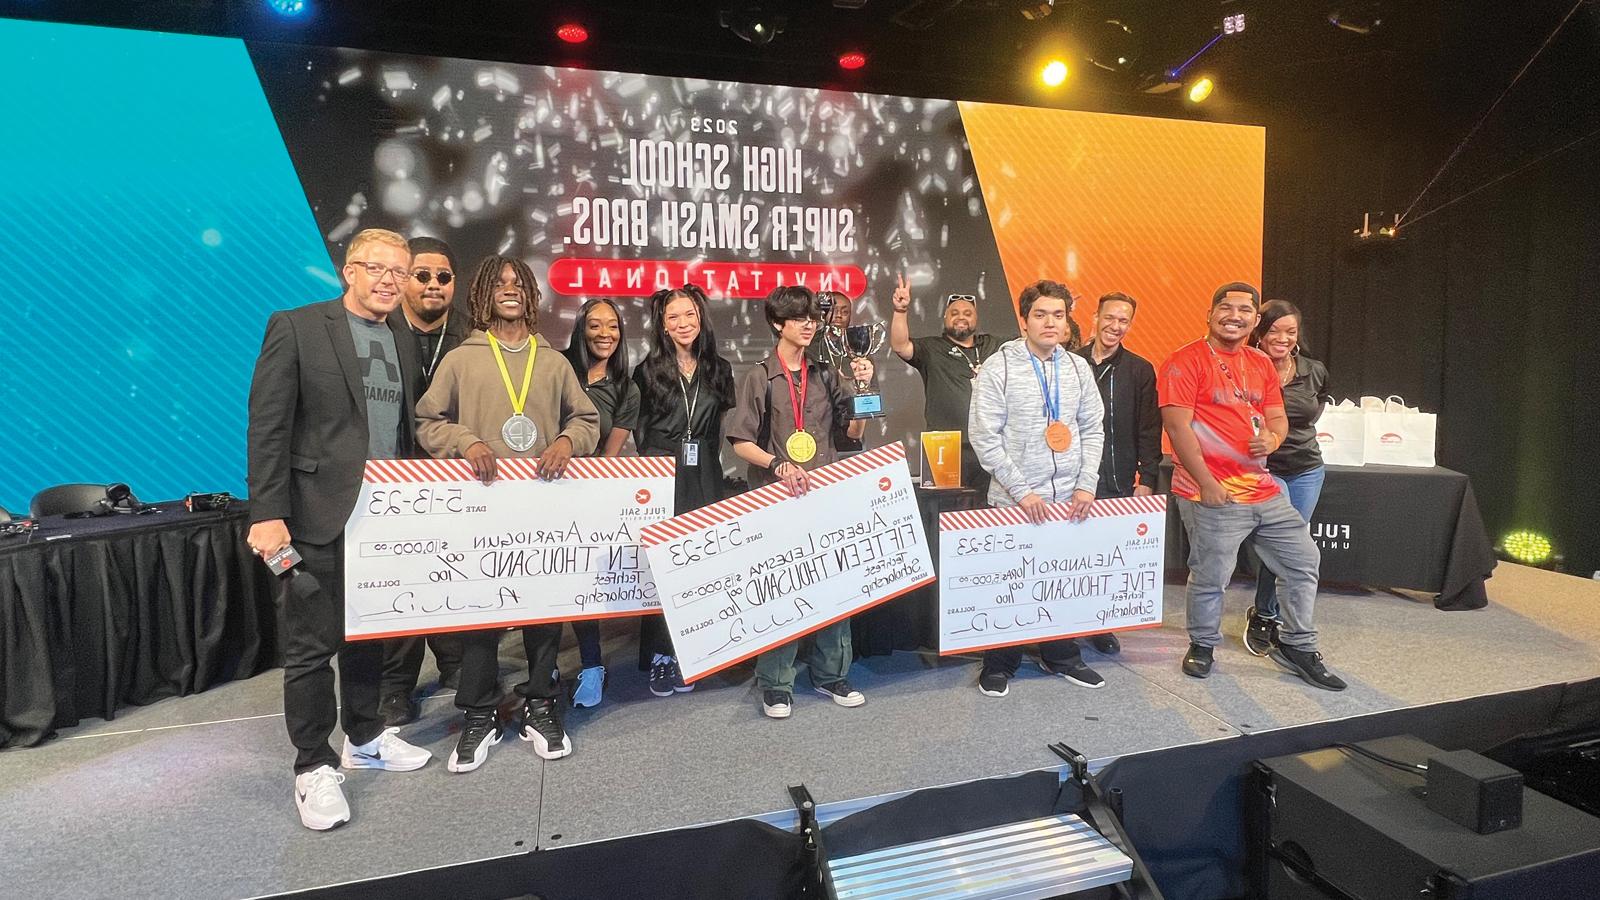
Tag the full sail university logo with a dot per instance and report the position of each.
(1330, 536)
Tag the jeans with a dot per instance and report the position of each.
(826, 652)
(311, 629)
(1285, 545)
(480, 666)
(587, 631)
(1303, 490)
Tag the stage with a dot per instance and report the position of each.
(191, 797)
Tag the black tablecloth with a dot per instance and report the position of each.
(100, 613)
(911, 621)
(1393, 527)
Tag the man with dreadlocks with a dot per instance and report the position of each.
(505, 393)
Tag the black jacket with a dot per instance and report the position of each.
(308, 421)
(456, 329)
(1133, 421)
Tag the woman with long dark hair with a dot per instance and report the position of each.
(684, 388)
(599, 355)
(1297, 464)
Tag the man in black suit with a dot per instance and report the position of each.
(429, 319)
(332, 389)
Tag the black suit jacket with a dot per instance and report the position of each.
(308, 421)
(456, 329)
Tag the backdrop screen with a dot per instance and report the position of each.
(148, 262)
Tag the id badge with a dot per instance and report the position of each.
(691, 453)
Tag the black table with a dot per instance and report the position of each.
(96, 614)
(911, 621)
(1393, 527)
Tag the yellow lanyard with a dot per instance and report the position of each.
(517, 401)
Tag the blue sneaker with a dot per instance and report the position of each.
(591, 687)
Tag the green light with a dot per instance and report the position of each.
(1528, 547)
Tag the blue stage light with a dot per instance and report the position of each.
(287, 7)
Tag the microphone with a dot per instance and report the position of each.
(285, 564)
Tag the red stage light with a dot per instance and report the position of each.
(573, 33)
(852, 60)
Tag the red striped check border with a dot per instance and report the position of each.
(966, 519)
(762, 497)
(402, 471)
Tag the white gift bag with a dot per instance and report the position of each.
(1341, 434)
(1399, 435)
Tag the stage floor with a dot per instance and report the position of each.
(191, 797)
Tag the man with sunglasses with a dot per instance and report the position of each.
(332, 389)
(947, 363)
(428, 318)
(1222, 408)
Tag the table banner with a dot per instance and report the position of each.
(758, 570)
(431, 548)
(1004, 580)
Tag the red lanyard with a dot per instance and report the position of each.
(796, 402)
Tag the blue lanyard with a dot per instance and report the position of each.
(1052, 397)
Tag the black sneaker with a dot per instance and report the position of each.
(776, 704)
(1078, 673)
(1308, 665)
(398, 709)
(676, 673)
(479, 732)
(661, 672)
(541, 724)
(1106, 643)
(1260, 633)
(994, 683)
(842, 693)
(1197, 662)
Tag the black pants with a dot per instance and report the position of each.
(311, 630)
(654, 637)
(402, 659)
(1063, 652)
(480, 666)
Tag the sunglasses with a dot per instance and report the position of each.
(423, 276)
(956, 298)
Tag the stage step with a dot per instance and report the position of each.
(1021, 861)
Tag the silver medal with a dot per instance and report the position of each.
(519, 433)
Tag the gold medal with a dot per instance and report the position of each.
(801, 447)
(1058, 436)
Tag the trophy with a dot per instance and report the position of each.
(859, 342)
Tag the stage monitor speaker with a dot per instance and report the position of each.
(1334, 823)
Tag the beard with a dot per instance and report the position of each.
(429, 316)
(960, 332)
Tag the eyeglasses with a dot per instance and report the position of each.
(377, 270)
(954, 298)
(423, 276)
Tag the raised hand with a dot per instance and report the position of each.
(901, 298)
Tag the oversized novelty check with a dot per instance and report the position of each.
(763, 568)
(1004, 580)
(431, 548)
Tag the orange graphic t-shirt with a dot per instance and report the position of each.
(1230, 394)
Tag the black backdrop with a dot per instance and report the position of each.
(1485, 311)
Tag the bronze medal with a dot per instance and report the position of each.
(1058, 436)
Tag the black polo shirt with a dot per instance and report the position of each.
(1303, 399)
(947, 370)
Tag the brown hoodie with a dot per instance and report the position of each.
(467, 401)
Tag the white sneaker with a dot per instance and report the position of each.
(320, 800)
(387, 751)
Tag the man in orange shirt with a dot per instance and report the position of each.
(1222, 408)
